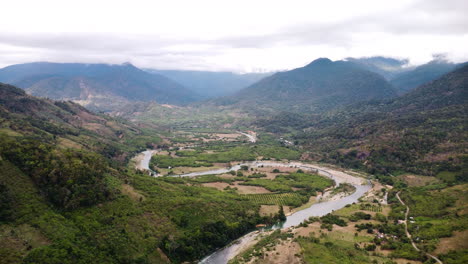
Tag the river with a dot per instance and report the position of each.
(222, 256)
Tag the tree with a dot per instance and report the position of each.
(281, 215)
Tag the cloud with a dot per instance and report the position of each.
(240, 36)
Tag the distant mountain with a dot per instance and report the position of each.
(97, 86)
(403, 77)
(387, 67)
(317, 87)
(212, 84)
(423, 131)
(408, 80)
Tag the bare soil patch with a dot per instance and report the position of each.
(266, 210)
(417, 180)
(217, 185)
(132, 193)
(227, 136)
(245, 189)
(285, 252)
(459, 240)
(66, 143)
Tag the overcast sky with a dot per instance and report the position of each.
(237, 35)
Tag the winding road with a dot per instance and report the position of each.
(409, 235)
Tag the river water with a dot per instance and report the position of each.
(222, 256)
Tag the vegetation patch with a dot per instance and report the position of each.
(289, 199)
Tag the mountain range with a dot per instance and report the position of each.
(407, 80)
(96, 86)
(69, 194)
(212, 84)
(403, 76)
(423, 131)
(319, 86)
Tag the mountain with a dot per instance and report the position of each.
(69, 125)
(402, 76)
(423, 131)
(317, 87)
(211, 84)
(68, 194)
(97, 86)
(387, 67)
(408, 80)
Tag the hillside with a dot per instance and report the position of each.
(68, 196)
(387, 67)
(322, 85)
(97, 86)
(410, 79)
(403, 76)
(212, 84)
(421, 132)
(69, 125)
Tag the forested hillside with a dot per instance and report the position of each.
(408, 80)
(320, 86)
(101, 87)
(67, 195)
(422, 132)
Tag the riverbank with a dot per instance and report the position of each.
(223, 255)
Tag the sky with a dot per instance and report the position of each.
(237, 35)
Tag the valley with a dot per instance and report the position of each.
(327, 201)
(299, 167)
(234, 132)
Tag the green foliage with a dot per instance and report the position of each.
(222, 154)
(359, 216)
(290, 199)
(162, 161)
(344, 188)
(420, 132)
(317, 87)
(257, 175)
(370, 207)
(206, 179)
(283, 183)
(187, 222)
(406, 250)
(380, 217)
(455, 257)
(281, 215)
(426, 203)
(6, 203)
(330, 219)
(328, 252)
(68, 178)
(282, 186)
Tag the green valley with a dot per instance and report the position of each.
(326, 163)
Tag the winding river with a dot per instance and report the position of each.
(321, 208)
